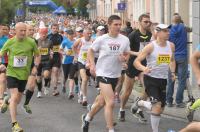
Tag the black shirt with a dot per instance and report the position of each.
(136, 37)
(56, 40)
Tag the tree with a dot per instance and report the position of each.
(82, 9)
(8, 9)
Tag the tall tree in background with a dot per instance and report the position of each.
(7, 10)
(82, 9)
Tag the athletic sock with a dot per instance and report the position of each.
(46, 82)
(29, 95)
(39, 84)
(155, 120)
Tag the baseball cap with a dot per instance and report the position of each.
(70, 32)
(79, 29)
(159, 27)
(43, 30)
(100, 27)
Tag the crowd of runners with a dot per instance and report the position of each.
(37, 53)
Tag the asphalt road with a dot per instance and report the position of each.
(58, 114)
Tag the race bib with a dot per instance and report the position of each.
(44, 51)
(163, 58)
(69, 52)
(56, 48)
(142, 45)
(114, 49)
(20, 61)
(84, 56)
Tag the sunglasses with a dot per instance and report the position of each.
(147, 22)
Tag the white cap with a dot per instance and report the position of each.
(100, 27)
(162, 26)
(78, 29)
(42, 25)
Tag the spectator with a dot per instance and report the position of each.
(178, 36)
(129, 29)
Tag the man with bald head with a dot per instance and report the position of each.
(20, 51)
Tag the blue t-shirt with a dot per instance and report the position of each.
(66, 45)
(178, 36)
(3, 39)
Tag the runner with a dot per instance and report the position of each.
(195, 66)
(81, 47)
(68, 56)
(160, 56)
(4, 61)
(20, 51)
(56, 61)
(45, 47)
(138, 39)
(112, 49)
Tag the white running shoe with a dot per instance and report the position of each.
(80, 98)
(46, 91)
(39, 95)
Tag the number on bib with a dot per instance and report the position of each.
(69, 52)
(44, 51)
(84, 55)
(56, 48)
(20, 61)
(163, 59)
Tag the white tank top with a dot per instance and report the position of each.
(85, 45)
(159, 60)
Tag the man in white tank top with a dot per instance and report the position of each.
(81, 47)
(160, 57)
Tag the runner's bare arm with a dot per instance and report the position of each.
(172, 62)
(134, 53)
(76, 45)
(61, 51)
(195, 64)
(142, 55)
(91, 56)
(37, 59)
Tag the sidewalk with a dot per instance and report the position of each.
(172, 111)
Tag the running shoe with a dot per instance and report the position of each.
(135, 106)
(189, 112)
(84, 103)
(121, 116)
(55, 93)
(17, 128)
(46, 91)
(39, 94)
(27, 109)
(85, 124)
(5, 104)
(71, 96)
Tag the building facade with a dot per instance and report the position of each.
(161, 11)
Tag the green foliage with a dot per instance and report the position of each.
(82, 9)
(7, 10)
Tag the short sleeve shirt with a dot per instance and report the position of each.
(66, 45)
(108, 63)
(20, 55)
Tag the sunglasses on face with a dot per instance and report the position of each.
(147, 22)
